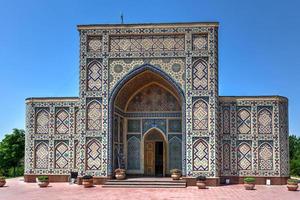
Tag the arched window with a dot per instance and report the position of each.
(61, 156)
(226, 156)
(200, 75)
(226, 120)
(200, 115)
(133, 153)
(76, 155)
(200, 156)
(265, 157)
(244, 157)
(77, 122)
(41, 156)
(175, 152)
(244, 121)
(42, 122)
(93, 155)
(94, 79)
(94, 116)
(62, 122)
(265, 122)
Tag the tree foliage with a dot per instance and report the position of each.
(294, 148)
(12, 152)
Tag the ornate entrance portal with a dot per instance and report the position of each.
(155, 156)
(147, 125)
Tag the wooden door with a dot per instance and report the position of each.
(149, 158)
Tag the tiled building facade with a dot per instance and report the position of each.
(148, 83)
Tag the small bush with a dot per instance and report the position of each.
(249, 180)
(201, 178)
(2, 177)
(43, 178)
(175, 171)
(292, 181)
(87, 177)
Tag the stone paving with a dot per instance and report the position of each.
(17, 189)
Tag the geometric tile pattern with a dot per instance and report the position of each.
(147, 43)
(41, 156)
(94, 44)
(175, 152)
(199, 42)
(200, 115)
(94, 77)
(226, 156)
(42, 122)
(61, 156)
(133, 158)
(76, 155)
(244, 157)
(120, 67)
(93, 155)
(265, 157)
(265, 122)
(77, 122)
(177, 64)
(200, 156)
(200, 75)
(226, 120)
(244, 121)
(94, 115)
(62, 122)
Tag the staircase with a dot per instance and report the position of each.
(145, 182)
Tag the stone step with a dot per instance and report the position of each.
(144, 186)
(145, 183)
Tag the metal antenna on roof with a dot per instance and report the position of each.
(122, 18)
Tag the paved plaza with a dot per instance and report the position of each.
(17, 189)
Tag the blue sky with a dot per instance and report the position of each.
(39, 46)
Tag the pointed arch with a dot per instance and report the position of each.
(117, 88)
(41, 156)
(94, 76)
(265, 156)
(62, 121)
(94, 116)
(264, 121)
(244, 121)
(200, 155)
(61, 155)
(200, 115)
(244, 156)
(42, 122)
(200, 75)
(93, 155)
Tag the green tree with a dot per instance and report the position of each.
(294, 148)
(12, 151)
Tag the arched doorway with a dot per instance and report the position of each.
(145, 99)
(155, 153)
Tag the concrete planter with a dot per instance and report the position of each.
(87, 183)
(249, 186)
(176, 176)
(292, 186)
(43, 184)
(2, 182)
(201, 184)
